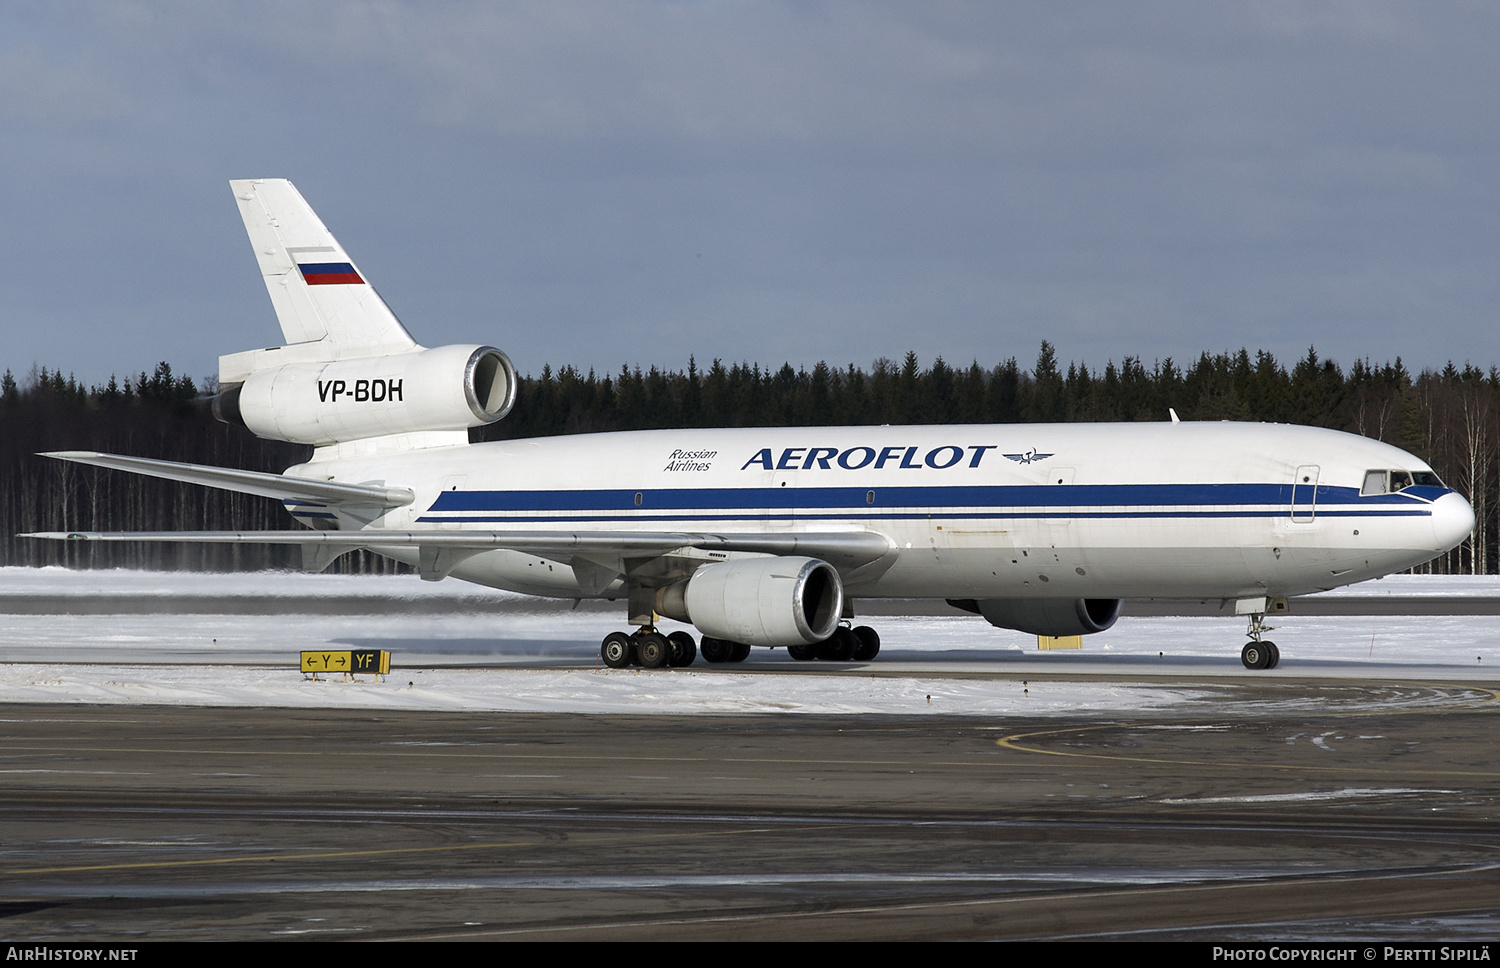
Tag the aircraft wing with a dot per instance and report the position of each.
(247, 482)
(440, 551)
(596, 557)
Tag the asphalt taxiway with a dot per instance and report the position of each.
(180, 780)
(1285, 809)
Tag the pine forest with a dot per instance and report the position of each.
(1449, 417)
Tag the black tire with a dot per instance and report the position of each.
(715, 650)
(741, 652)
(840, 646)
(802, 652)
(684, 650)
(1275, 655)
(869, 643)
(1255, 655)
(653, 650)
(616, 650)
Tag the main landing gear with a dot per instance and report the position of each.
(1259, 653)
(860, 644)
(650, 649)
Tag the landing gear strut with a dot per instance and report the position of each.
(1259, 653)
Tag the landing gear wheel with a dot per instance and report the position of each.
(840, 646)
(652, 649)
(869, 643)
(616, 650)
(715, 650)
(1275, 654)
(741, 652)
(684, 650)
(802, 652)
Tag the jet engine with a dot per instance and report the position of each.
(759, 601)
(447, 388)
(1046, 616)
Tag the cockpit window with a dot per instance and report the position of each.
(1391, 481)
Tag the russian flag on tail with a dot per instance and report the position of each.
(330, 274)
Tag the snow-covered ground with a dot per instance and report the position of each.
(458, 646)
(80, 583)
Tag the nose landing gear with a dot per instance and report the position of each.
(1259, 653)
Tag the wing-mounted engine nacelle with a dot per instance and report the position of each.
(446, 388)
(759, 601)
(1047, 616)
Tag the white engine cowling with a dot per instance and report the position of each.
(447, 388)
(1051, 616)
(759, 601)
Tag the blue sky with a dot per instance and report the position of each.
(634, 182)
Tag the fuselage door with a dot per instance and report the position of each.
(1305, 494)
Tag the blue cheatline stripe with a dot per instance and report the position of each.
(938, 514)
(858, 499)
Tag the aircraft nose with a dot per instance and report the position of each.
(1452, 521)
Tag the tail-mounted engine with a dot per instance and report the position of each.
(447, 388)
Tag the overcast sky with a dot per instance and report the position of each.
(634, 182)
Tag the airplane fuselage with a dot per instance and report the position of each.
(1130, 510)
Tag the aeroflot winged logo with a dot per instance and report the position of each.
(855, 458)
(1031, 456)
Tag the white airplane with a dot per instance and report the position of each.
(768, 536)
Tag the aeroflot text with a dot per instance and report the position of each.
(854, 458)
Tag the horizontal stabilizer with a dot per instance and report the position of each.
(248, 482)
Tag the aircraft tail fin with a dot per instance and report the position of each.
(320, 296)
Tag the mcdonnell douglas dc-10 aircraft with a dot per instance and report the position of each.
(765, 536)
